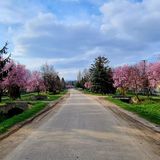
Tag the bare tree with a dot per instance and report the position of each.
(79, 76)
(86, 75)
(50, 76)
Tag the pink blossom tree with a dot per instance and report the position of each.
(135, 80)
(121, 78)
(142, 76)
(88, 85)
(16, 80)
(143, 68)
(128, 77)
(36, 83)
(154, 74)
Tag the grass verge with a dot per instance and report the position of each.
(36, 107)
(56, 96)
(2, 104)
(89, 92)
(5, 125)
(149, 109)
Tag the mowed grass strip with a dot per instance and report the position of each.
(95, 94)
(56, 96)
(37, 106)
(149, 109)
(5, 125)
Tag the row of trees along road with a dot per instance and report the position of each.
(143, 77)
(15, 78)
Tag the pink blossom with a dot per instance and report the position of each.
(35, 83)
(88, 85)
(135, 79)
(121, 76)
(128, 77)
(154, 74)
(18, 76)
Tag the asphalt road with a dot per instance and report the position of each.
(83, 129)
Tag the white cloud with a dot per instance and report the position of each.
(140, 21)
(125, 32)
(17, 12)
(52, 38)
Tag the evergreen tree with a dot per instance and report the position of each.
(101, 76)
(58, 84)
(3, 70)
(63, 84)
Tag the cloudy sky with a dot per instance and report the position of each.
(70, 33)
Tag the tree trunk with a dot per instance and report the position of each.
(0, 97)
(123, 91)
(1, 93)
(14, 92)
(136, 94)
(38, 90)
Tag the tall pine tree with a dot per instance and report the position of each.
(58, 84)
(3, 62)
(63, 83)
(101, 76)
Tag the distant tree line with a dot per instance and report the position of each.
(143, 77)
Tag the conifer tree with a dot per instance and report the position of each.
(58, 84)
(63, 84)
(3, 67)
(101, 76)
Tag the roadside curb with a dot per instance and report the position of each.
(29, 120)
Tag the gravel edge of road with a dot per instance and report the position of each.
(132, 116)
(27, 121)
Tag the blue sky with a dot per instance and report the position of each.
(70, 33)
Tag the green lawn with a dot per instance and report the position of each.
(5, 125)
(148, 109)
(54, 97)
(89, 92)
(37, 106)
(2, 104)
(28, 96)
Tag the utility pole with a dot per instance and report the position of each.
(145, 79)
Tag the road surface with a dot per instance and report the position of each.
(83, 129)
